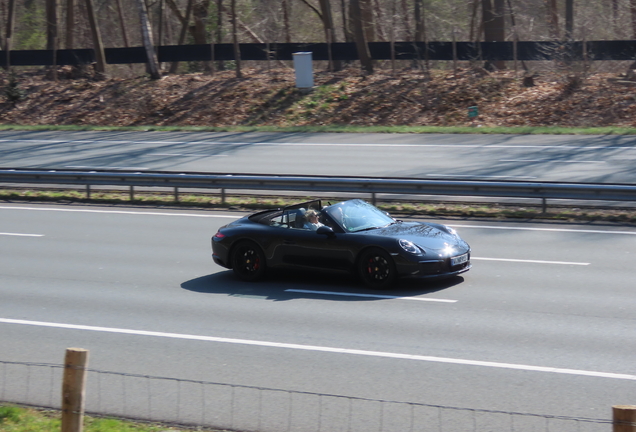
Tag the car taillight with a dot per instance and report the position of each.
(219, 235)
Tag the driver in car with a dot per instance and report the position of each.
(312, 220)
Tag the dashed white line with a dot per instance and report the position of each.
(569, 230)
(551, 161)
(125, 212)
(21, 235)
(530, 261)
(344, 294)
(107, 167)
(325, 349)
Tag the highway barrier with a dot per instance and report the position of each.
(372, 186)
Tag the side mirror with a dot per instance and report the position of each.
(325, 230)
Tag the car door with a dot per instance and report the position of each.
(307, 248)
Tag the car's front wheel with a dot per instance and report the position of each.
(376, 269)
(248, 261)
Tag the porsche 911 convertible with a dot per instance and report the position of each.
(352, 236)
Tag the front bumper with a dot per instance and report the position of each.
(430, 269)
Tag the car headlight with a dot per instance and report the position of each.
(410, 247)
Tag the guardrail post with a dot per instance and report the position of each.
(373, 198)
(223, 196)
(176, 194)
(74, 389)
(624, 418)
(132, 193)
(544, 205)
(88, 191)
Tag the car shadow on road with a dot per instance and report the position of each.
(279, 286)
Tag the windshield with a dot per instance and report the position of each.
(357, 215)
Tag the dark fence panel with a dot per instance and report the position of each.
(493, 51)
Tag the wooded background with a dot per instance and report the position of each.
(69, 24)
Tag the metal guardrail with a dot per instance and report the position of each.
(364, 185)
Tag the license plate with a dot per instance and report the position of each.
(459, 259)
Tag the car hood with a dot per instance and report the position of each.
(429, 236)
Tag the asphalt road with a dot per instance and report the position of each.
(595, 159)
(544, 323)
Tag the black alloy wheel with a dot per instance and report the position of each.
(248, 261)
(376, 269)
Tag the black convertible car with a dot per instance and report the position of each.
(351, 236)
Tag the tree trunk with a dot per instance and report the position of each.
(553, 18)
(359, 35)
(98, 45)
(52, 9)
(569, 19)
(146, 35)
(366, 18)
(330, 37)
(632, 9)
(237, 48)
(286, 27)
(70, 24)
(200, 13)
(493, 20)
(346, 29)
(420, 24)
(220, 65)
(184, 28)
(9, 33)
(122, 23)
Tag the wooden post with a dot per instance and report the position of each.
(624, 418)
(74, 389)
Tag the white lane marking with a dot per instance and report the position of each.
(569, 230)
(480, 176)
(21, 235)
(530, 261)
(188, 155)
(370, 295)
(299, 144)
(106, 167)
(327, 349)
(127, 212)
(551, 161)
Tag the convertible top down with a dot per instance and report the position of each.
(352, 236)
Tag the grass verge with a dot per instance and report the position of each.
(23, 419)
(522, 130)
(253, 203)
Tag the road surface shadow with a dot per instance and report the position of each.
(289, 285)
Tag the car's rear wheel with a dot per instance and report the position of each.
(376, 269)
(248, 261)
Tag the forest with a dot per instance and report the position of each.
(368, 92)
(68, 24)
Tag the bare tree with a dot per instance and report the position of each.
(146, 35)
(237, 48)
(493, 19)
(122, 23)
(70, 23)
(632, 9)
(98, 45)
(569, 19)
(360, 36)
(553, 18)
